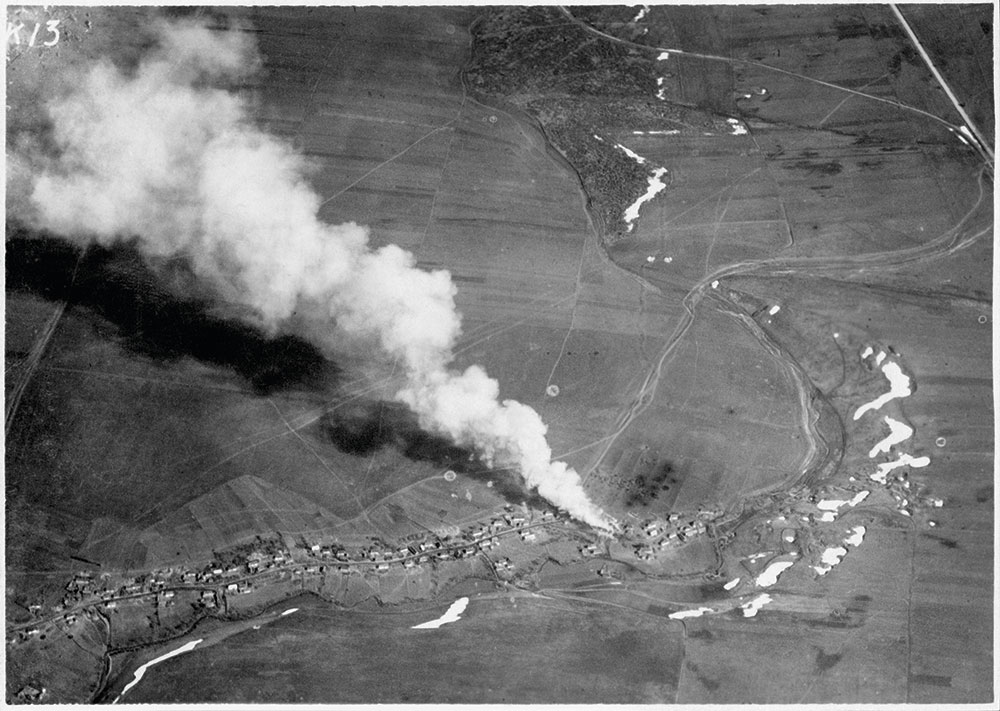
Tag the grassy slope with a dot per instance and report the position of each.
(537, 651)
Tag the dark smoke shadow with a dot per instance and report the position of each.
(364, 428)
(153, 321)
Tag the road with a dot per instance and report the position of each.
(958, 237)
(31, 364)
(983, 145)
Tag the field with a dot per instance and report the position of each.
(704, 360)
(222, 455)
(949, 565)
(538, 650)
(65, 659)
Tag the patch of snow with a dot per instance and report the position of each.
(898, 432)
(828, 516)
(753, 607)
(681, 614)
(715, 284)
(668, 260)
(141, 671)
(641, 14)
(598, 138)
(830, 558)
(664, 56)
(770, 575)
(867, 352)
(905, 460)
(661, 93)
(758, 556)
(856, 537)
(899, 386)
(879, 358)
(655, 186)
(738, 128)
(830, 504)
(858, 498)
(651, 259)
(731, 584)
(672, 132)
(774, 309)
(289, 611)
(632, 154)
(452, 615)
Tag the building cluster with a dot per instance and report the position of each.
(40, 630)
(232, 572)
(423, 548)
(655, 535)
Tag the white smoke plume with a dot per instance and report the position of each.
(166, 157)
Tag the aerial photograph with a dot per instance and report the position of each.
(483, 354)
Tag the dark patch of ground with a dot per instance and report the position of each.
(153, 320)
(365, 428)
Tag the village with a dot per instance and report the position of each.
(267, 561)
(246, 568)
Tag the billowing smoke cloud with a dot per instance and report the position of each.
(510, 434)
(166, 157)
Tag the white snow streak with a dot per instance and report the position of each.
(898, 432)
(751, 608)
(899, 386)
(452, 615)
(905, 460)
(681, 614)
(770, 575)
(141, 671)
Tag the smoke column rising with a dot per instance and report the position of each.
(168, 158)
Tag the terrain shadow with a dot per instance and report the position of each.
(153, 320)
(366, 427)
